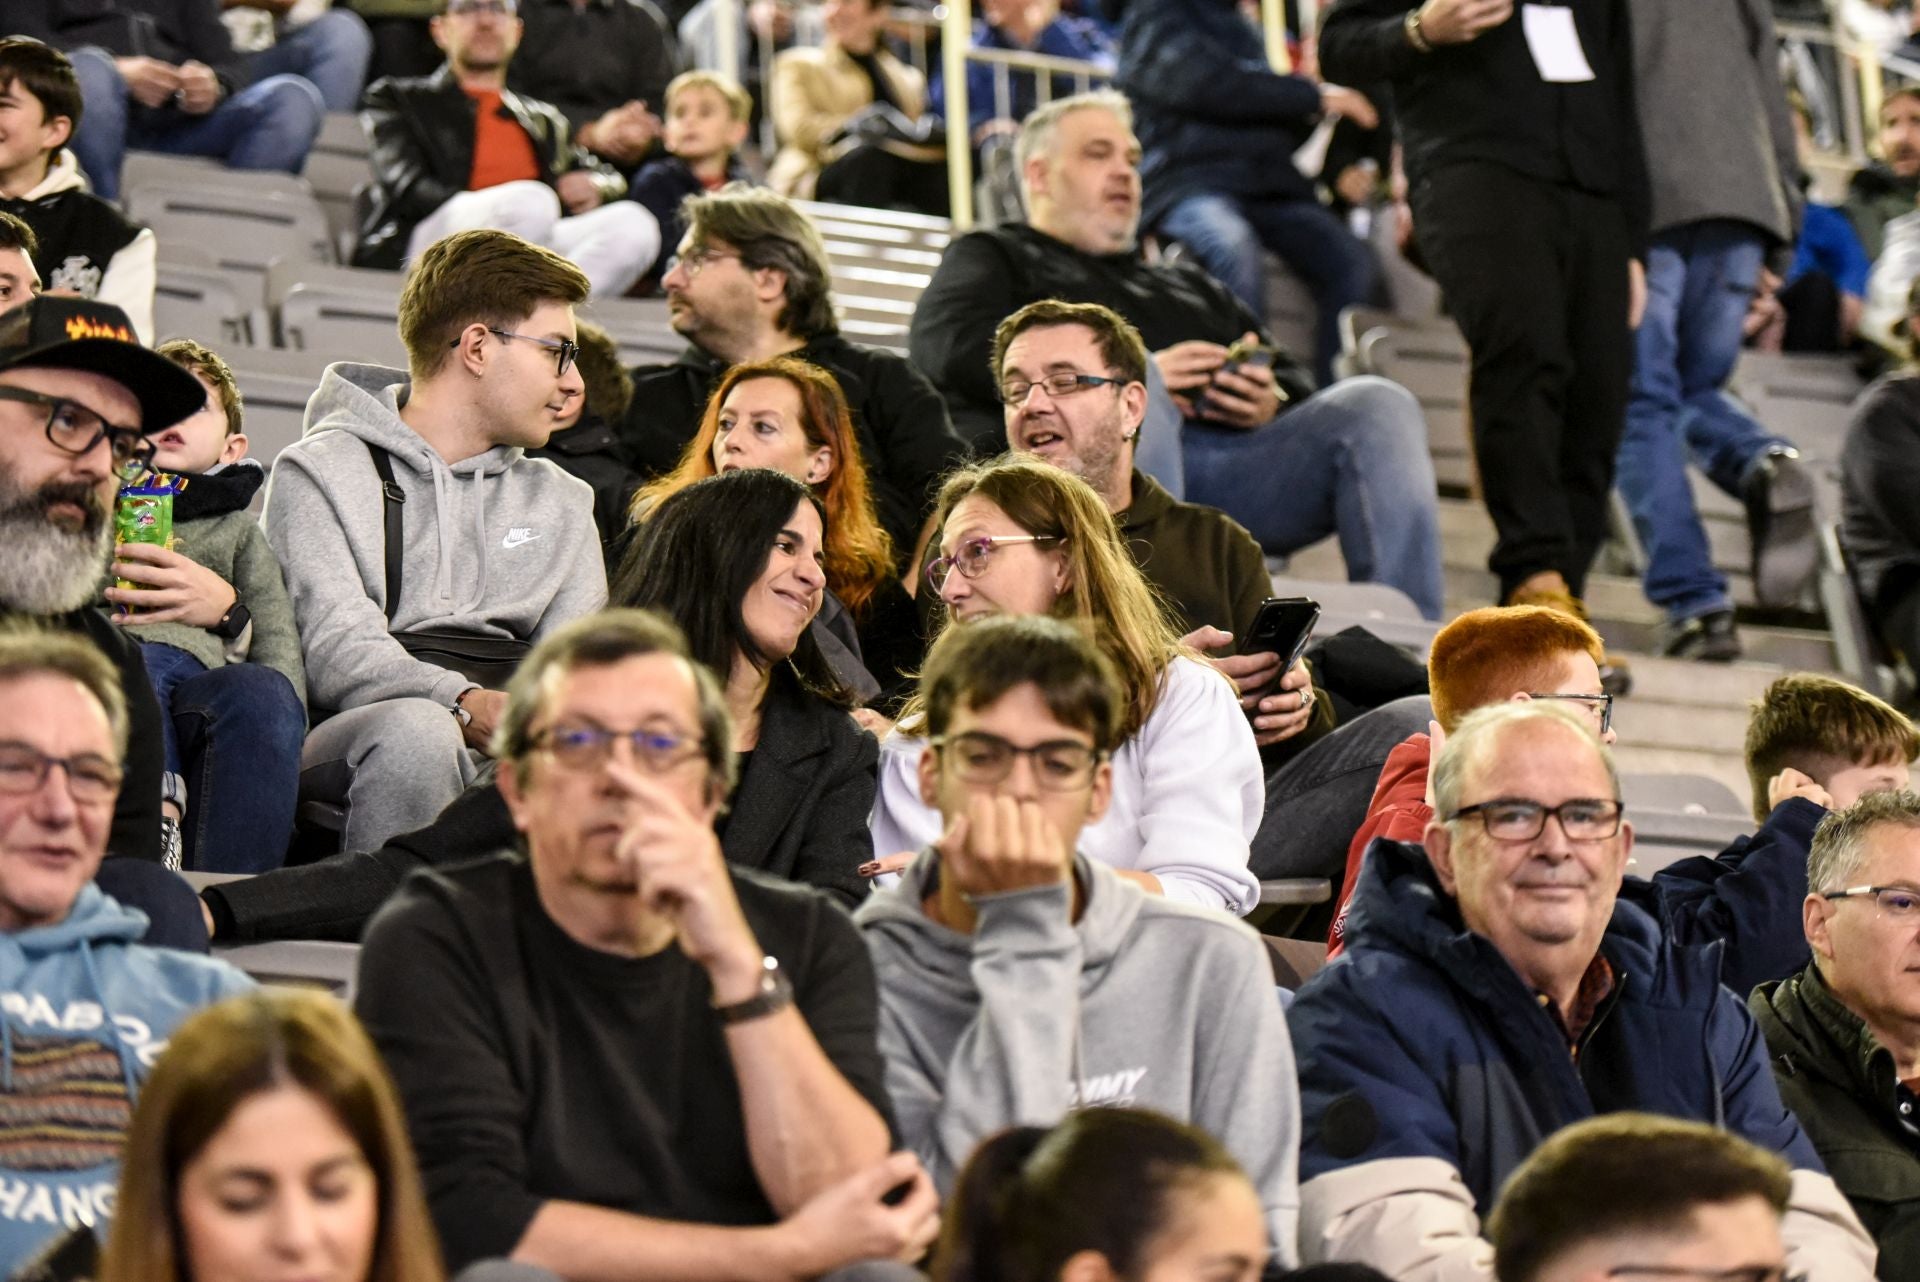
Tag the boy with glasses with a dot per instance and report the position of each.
(1020, 979)
(1844, 1033)
(464, 536)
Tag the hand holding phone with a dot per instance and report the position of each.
(1283, 626)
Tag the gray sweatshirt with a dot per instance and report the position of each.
(497, 545)
(1144, 1002)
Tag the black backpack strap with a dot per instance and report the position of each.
(392, 496)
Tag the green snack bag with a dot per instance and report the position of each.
(143, 515)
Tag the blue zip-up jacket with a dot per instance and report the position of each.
(1212, 116)
(85, 1010)
(1429, 1071)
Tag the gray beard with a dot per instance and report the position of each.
(48, 570)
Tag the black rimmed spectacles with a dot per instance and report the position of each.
(1686, 1273)
(1059, 765)
(590, 747)
(24, 769)
(75, 429)
(1600, 703)
(565, 348)
(1065, 383)
(1517, 819)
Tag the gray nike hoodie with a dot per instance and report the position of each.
(1143, 1002)
(498, 545)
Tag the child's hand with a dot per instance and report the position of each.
(173, 588)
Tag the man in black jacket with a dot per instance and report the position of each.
(1529, 198)
(617, 1055)
(749, 282)
(458, 150)
(1258, 442)
(162, 75)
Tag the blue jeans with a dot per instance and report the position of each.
(1699, 280)
(1229, 236)
(1350, 460)
(331, 53)
(234, 733)
(271, 124)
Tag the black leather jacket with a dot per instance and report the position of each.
(422, 132)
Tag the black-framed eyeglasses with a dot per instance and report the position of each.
(694, 261)
(590, 747)
(1014, 392)
(1603, 703)
(1900, 903)
(91, 778)
(971, 557)
(565, 348)
(1517, 819)
(75, 429)
(1059, 765)
(1684, 1273)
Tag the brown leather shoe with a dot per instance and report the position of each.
(1616, 678)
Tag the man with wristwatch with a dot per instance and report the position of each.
(619, 1056)
(1530, 207)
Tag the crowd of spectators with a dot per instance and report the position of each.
(803, 808)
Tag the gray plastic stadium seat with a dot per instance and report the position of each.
(200, 303)
(333, 967)
(348, 326)
(154, 169)
(1385, 611)
(244, 233)
(274, 389)
(1430, 360)
(1681, 794)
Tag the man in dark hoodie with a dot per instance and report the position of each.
(1018, 978)
(1219, 128)
(492, 544)
(1845, 1032)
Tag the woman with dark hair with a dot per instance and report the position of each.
(735, 561)
(269, 1109)
(1107, 1194)
(791, 416)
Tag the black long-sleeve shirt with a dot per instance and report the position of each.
(591, 59)
(174, 31)
(533, 1068)
(1484, 100)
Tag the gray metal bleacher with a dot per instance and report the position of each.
(244, 229)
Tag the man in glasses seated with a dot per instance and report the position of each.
(1631, 1197)
(620, 1056)
(1494, 989)
(1845, 1031)
(417, 587)
(1020, 979)
(458, 149)
(81, 400)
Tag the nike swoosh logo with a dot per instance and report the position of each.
(515, 538)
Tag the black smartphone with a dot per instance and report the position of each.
(1283, 626)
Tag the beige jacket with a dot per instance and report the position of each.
(815, 91)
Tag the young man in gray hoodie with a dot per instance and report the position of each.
(494, 544)
(1019, 979)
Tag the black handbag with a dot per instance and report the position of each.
(488, 660)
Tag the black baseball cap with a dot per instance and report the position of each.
(95, 337)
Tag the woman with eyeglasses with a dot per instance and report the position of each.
(736, 561)
(269, 1144)
(791, 416)
(1018, 536)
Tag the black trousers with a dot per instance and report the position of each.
(877, 179)
(1535, 273)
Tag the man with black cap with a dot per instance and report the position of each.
(79, 399)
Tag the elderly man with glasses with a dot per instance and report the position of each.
(1021, 979)
(621, 1057)
(1496, 988)
(458, 150)
(1845, 1032)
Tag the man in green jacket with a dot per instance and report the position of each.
(1845, 1032)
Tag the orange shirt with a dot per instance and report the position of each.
(502, 150)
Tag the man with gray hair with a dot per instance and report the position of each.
(619, 1056)
(1495, 989)
(1845, 1032)
(1243, 429)
(750, 281)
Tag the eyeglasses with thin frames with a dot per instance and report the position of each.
(1684, 1273)
(1518, 819)
(91, 778)
(971, 557)
(487, 8)
(75, 429)
(1896, 903)
(695, 261)
(1059, 765)
(590, 747)
(565, 348)
(1603, 703)
(1066, 383)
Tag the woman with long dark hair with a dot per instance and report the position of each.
(735, 561)
(268, 1110)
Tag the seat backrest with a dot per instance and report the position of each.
(1680, 793)
(199, 303)
(343, 325)
(245, 234)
